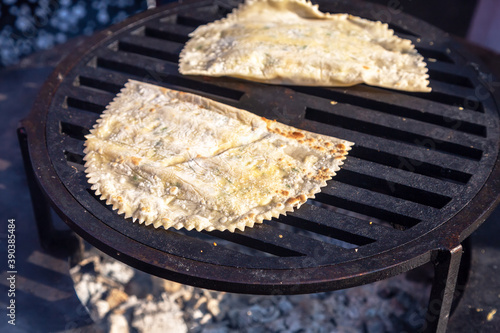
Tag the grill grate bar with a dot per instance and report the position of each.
(204, 247)
(391, 133)
(74, 161)
(451, 95)
(93, 101)
(147, 51)
(74, 131)
(99, 84)
(79, 117)
(402, 177)
(266, 244)
(141, 69)
(266, 237)
(340, 226)
(396, 107)
(248, 247)
(409, 165)
(73, 146)
(169, 32)
(430, 53)
(453, 73)
(395, 220)
(446, 77)
(78, 103)
(420, 152)
(147, 46)
(210, 14)
(392, 189)
(101, 79)
(196, 21)
(399, 211)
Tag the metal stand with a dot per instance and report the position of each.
(64, 242)
(447, 266)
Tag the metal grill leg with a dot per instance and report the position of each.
(447, 265)
(50, 238)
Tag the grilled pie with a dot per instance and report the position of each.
(175, 159)
(292, 42)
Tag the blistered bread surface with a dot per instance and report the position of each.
(292, 42)
(175, 159)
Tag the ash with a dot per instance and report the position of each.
(121, 299)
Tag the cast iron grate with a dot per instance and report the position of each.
(419, 159)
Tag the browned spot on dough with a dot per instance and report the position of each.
(292, 201)
(136, 160)
(268, 121)
(296, 135)
(341, 146)
(285, 192)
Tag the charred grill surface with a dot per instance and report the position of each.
(419, 159)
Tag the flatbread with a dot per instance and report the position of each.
(292, 42)
(175, 159)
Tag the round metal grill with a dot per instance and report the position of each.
(421, 176)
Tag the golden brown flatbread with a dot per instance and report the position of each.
(174, 159)
(292, 42)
